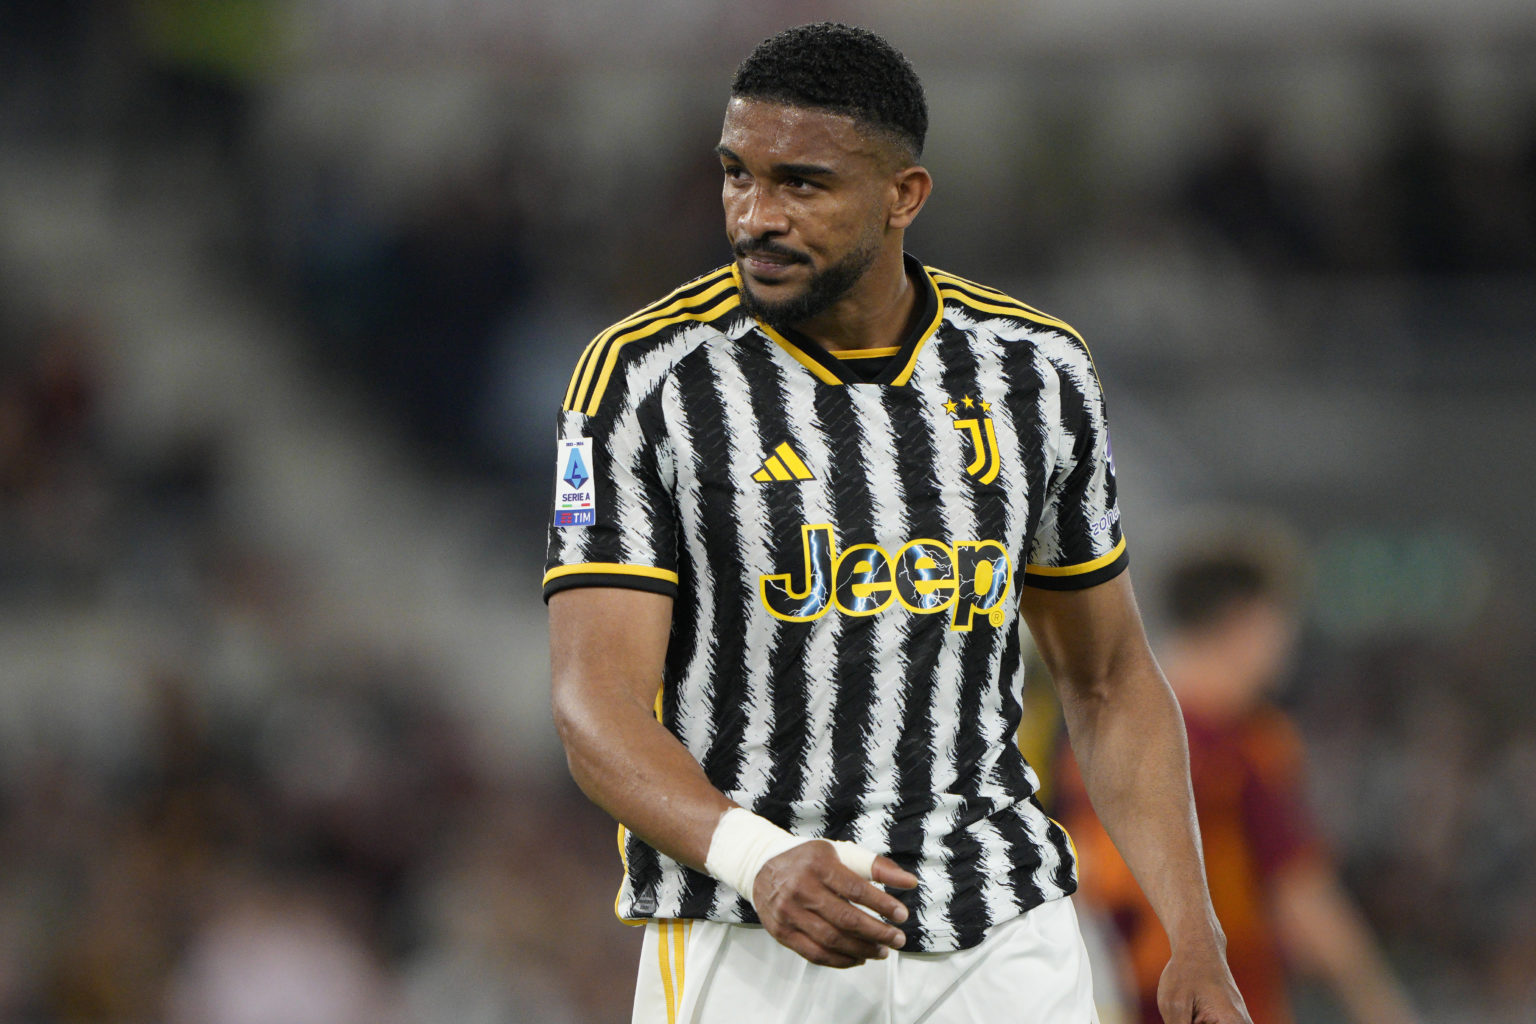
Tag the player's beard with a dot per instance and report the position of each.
(824, 288)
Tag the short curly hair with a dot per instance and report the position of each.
(842, 69)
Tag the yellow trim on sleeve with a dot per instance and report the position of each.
(610, 569)
(1077, 570)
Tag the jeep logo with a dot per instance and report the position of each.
(967, 578)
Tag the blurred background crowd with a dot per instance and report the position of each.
(288, 296)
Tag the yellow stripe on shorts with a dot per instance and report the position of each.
(671, 945)
(664, 952)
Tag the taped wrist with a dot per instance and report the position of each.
(743, 842)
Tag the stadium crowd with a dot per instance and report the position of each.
(272, 824)
(271, 804)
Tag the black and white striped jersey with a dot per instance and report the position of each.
(843, 536)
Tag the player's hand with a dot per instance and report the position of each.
(805, 897)
(1197, 988)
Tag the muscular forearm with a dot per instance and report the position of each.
(607, 651)
(1130, 744)
(1129, 739)
(632, 767)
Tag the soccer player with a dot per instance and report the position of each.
(801, 505)
(1230, 608)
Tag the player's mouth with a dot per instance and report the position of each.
(768, 262)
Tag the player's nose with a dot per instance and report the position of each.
(759, 214)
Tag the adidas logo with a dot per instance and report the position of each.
(783, 464)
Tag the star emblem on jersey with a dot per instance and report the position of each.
(985, 463)
(784, 464)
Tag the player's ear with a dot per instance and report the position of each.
(910, 188)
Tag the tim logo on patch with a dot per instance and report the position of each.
(575, 491)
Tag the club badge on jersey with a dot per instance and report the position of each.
(575, 490)
(984, 467)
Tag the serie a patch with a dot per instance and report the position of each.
(575, 490)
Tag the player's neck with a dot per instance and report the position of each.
(875, 313)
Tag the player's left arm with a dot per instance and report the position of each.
(1128, 736)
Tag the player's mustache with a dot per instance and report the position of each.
(765, 245)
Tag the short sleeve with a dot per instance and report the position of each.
(612, 519)
(1078, 542)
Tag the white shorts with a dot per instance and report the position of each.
(1030, 970)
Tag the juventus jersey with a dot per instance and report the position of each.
(844, 536)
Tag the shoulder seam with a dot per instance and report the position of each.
(591, 396)
(711, 296)
(980, 297)
(985, 290)
(581, 373)
(990, 300)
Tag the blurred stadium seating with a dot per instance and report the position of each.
(288, 295)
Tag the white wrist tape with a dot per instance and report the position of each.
(744, 842)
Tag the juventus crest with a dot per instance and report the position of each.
(971, 418)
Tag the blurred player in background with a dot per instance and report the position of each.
(1231, 612)
(809, 496)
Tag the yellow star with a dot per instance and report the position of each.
(986, 406)
(949, 407)
(968, 403)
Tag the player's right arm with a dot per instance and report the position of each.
(607, 650)
(1128, 736)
